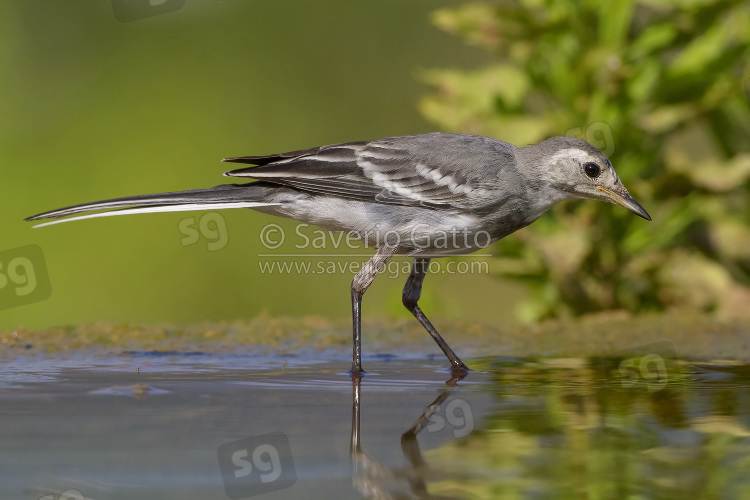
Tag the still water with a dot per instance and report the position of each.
(193, 425)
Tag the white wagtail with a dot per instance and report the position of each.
(424, 196)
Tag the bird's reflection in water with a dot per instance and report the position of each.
(378, 481)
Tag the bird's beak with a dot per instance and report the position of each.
(623, 198)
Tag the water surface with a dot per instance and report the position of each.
(194, 425)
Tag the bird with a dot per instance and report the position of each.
(404, 195)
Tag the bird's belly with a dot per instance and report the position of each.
(414, 230)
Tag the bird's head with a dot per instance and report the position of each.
(573, 168)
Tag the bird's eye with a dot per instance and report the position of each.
(592, 170)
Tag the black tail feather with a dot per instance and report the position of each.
(223, 196)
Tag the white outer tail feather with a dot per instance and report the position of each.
(165, 208)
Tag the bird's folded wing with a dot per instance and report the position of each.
(436, 170)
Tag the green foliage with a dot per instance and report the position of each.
(658, 85)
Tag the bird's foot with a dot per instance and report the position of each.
(459, 371)
(356, 371)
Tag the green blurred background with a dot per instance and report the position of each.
(96, 108)
(661, 86)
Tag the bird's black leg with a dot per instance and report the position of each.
(410, 297)
(361, 282)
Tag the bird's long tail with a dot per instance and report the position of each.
(219, 197)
